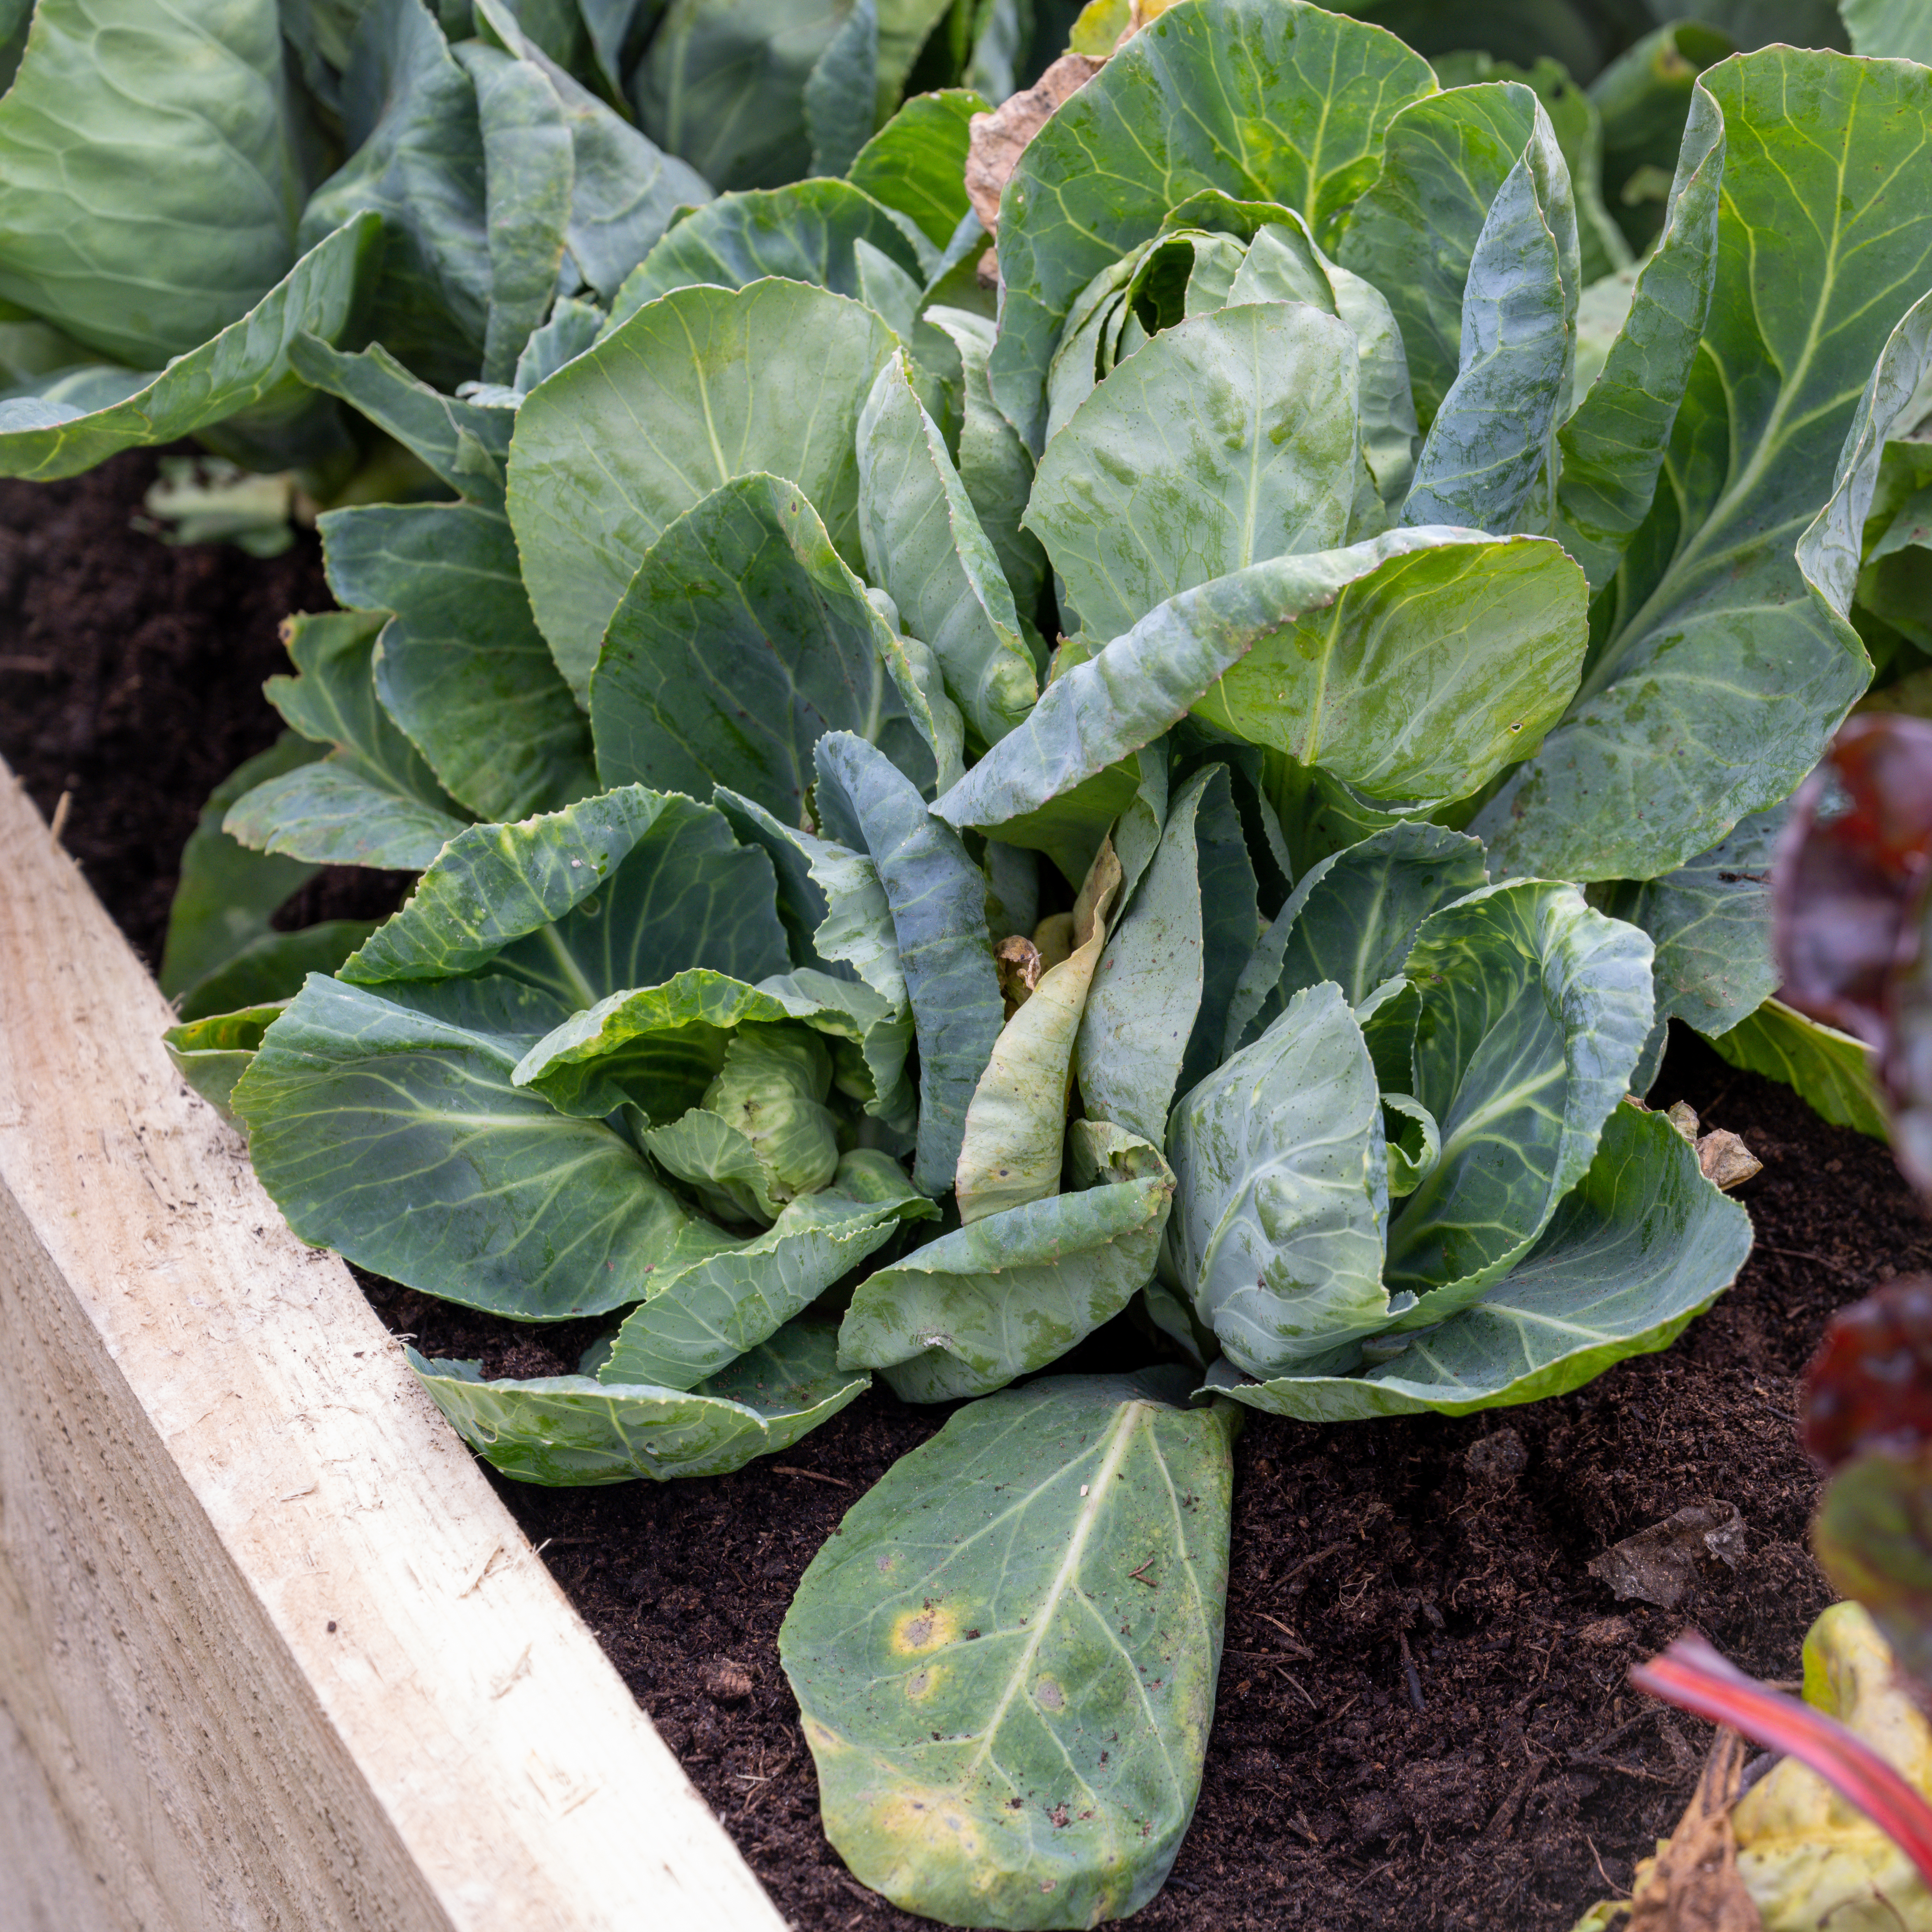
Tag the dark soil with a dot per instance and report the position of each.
(130, 680)
(1424, 1721)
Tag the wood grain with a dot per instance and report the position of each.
(277, 1653)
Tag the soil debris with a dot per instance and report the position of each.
(1660, 1565)
(1726, 1161)
(1496, 1458)
(730, 1683)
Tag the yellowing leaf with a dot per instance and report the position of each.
(1016, 1120)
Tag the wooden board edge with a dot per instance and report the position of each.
(385, 1628)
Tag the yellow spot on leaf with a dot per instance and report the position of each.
(930, 1627)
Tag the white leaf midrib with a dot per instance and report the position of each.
(1124, 1427)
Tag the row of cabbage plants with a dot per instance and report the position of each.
(1141, 704)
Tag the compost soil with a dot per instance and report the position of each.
(1423, 1721)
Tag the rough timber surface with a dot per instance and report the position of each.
(272, 1652)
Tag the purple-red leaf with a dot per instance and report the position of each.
(1693, 1676)
(1850, 871)
(1870, 1385)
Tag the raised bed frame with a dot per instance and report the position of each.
(272, 1652)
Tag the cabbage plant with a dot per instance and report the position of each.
(818, 973)
(441, 179)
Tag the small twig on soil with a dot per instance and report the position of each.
(1296, 1682)
(1805, 1254)
(12, 661)
(1640, 1772)
(1502, 1820)
(1308, 1562)
(1621, 1891)
(1409, 1671)
(812, 1475)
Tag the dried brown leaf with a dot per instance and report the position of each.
(1726, 1162)
(1018, 959)
(1659, 1565)
(1693, 1885)
(997, 140)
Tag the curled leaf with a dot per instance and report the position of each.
(1016, 1120)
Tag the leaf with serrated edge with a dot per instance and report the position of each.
(373, 801)
(338, 814)
(1231, 438)
(1640, 1249)
(1041, 1584)
(568, 1430)
(384, 1124)
(462, 667)
(667, 887)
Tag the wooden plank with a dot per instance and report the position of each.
(48, 1887)
(280, 1654)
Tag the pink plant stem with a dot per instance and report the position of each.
(1695, 1678)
